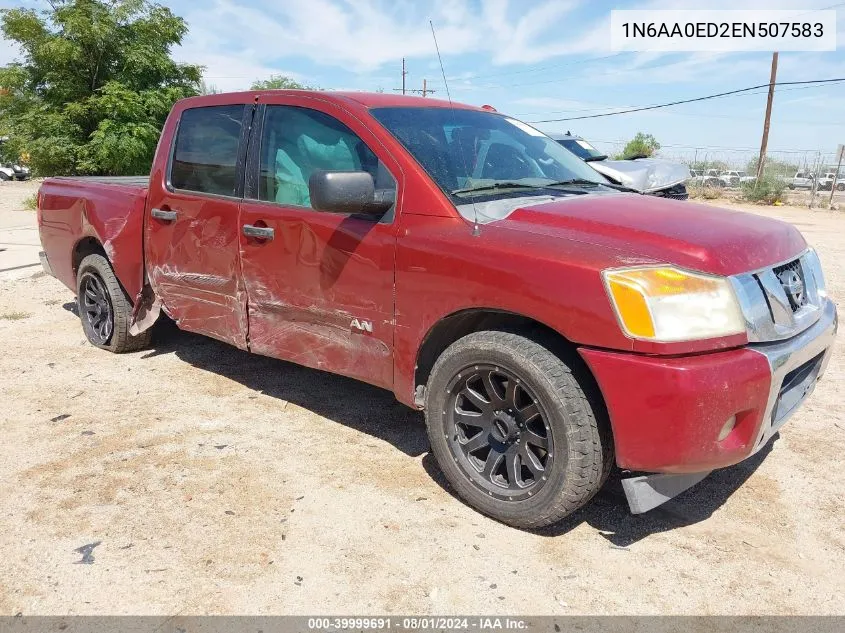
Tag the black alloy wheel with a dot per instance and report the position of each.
(98, 311)
(497, 430)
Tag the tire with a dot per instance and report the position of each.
(4, 177)
(104, 308)
(554, 403)
(840, 186)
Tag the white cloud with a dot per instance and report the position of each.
(365, 35)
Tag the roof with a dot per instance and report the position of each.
(365, 99)
(386, 100)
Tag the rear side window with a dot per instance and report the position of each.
(299, 141)
(206, 154)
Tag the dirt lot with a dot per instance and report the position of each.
(216, 482)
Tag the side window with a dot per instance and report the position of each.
(298, 141)
(206, 154)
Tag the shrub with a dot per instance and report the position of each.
(704, 192)
(766, 190)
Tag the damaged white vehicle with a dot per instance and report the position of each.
(651, 176)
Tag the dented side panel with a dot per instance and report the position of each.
(110, 212)
(321, 292)
(193, 266)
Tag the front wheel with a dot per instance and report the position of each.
(514, 430)
(840, 186)
(105, 309)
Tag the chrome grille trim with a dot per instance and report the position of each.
(769, 315)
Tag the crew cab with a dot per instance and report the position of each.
(549, 322)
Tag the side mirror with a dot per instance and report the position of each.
(348, 192)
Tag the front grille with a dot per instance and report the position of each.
(792, 279)
(677, 192)
(782, 301)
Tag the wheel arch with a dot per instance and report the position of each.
(86, 246)
(92, 245)
(459, 324)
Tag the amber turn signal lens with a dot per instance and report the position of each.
(667, 304)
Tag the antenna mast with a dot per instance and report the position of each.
(476, 230)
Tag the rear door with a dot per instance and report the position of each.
(192, 228)
(320, 284)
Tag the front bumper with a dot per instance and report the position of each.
(667, 414)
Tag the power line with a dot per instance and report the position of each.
(696, 114)
(723, 148)
(696, 99)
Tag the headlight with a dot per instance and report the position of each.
(665, 304)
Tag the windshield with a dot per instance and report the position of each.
(581, 148)
(472, 154)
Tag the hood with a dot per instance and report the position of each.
(694, 236)
(643, 174)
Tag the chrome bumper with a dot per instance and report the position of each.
(45, 264)
(796, 364)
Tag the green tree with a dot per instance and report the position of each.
(278, 82)
(94, 84)
(641, 146)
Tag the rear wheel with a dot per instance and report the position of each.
(514, 431)
(105, 309)
(840, 186)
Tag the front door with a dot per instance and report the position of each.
(192, 228)
(320, 285)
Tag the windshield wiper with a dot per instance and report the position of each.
(590, 159)
(583, 182)
(497, 185)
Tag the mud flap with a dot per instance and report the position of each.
(146, 312)
(646, 492)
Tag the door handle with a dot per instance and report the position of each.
(259, 232)
(161, 214)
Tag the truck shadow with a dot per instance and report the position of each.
(376, 412)
(360, 406)
(608, 511)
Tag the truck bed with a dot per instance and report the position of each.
(126, 181)
(78, 214)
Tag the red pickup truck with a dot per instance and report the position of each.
(548, 322)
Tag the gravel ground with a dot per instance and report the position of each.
(213, 482)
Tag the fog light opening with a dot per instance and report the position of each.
(730, 425)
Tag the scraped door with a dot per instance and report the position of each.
(320, 285)
(193, 228)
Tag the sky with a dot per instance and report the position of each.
(533, 59)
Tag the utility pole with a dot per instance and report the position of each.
(424, 92)
(404, 72)
(841, 154)
(762, 160)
